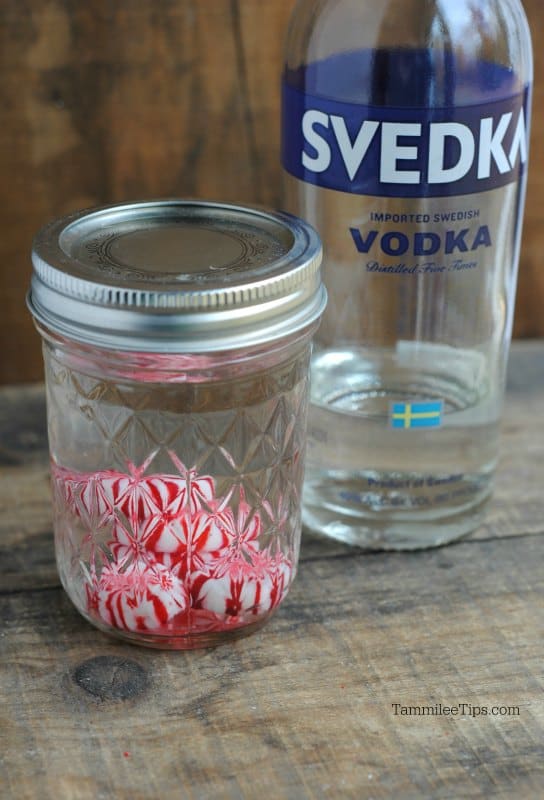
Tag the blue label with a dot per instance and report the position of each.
(404, 152)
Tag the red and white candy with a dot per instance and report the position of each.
(140, 597)
(183, 560)
(190, 541)
(245, 590)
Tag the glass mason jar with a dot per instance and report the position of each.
(176, 339)
(405, 143)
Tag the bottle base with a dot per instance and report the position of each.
(386, 529)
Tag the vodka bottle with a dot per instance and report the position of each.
(405, 139)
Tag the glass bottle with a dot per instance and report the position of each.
(405, 138)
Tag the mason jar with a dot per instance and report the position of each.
(176, 340)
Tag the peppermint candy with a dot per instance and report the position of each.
(140, 597)
(245, 590)
(190, 542)
(182, 559)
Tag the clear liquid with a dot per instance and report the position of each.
(377, 486)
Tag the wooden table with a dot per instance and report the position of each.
(305, 708)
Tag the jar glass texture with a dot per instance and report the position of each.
(176, 485)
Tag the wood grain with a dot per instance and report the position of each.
(106, 102)
(305, 708)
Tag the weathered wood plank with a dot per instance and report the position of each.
(304, 708)
(528, 320)
(104, 102)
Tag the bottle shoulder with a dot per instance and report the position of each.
(409, 52)
(440, 31)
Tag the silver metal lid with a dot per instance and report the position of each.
(176, 276)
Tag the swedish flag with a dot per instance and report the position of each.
(417, 415)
